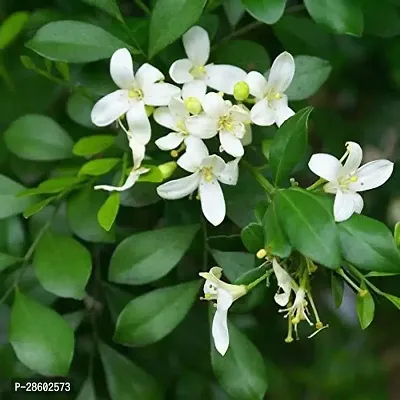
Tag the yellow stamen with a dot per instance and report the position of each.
(198, 71)
(174, 153)
(353, 179)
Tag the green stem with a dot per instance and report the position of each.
(252, 285)
(357, 273)
(205, 243)
(264, 182)
(316, 184)
(348, 280)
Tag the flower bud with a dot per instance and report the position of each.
(193, 105)
(149, 110)
(167, 169)
(241, 91)
(261, 254)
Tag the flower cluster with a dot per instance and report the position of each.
(192, 115)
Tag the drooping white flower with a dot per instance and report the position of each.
(220, 116)
(298, 311)
(131, 180)
(346, 180)
(207, 171)
(194, 71)
(284, 283)
(224, 294)
(136, 91)
(272, 102)
(175, 117)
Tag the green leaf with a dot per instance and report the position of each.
(234, 11)
(309, 225)
(396, 234)
(245, 54)
(51, 186)
(147, 256)
(125, 380)
(98, 167)
(74, 42)
(267, 11)
(154, 175)
(393, 299)
(109, 6)
(289, 145)
(275, 238)
(91, 145)
(372, 239)
(63, 69)
(152, 316)
(12, 27)
(253, 237)
(170, 19)
(10, 203)
(74, 319)
(38, 138)
(79, 108)
(365, 310)
(310, 75)
(87, 391)
(7, 260)
(343, 16)
(241, 372)
(234, 263)
(382, 21)
(108, 211)
(337, 286)
(82, 209)
(63, 266)
(41, 338)
(374, 274)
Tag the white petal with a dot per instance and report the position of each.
(197, 45)
(121, 69)
(353, 160)
(261, 114)
(231, 144)
(160, 94)
(147, 75)
(216, 163)
(248, 135)
(230, 174)
(177, 109)
(212, 200)
(132, 178)
(257, 84)
(196, 88)
(325, 166)
(109, 108)
(195, 153)
(179, 188)
(138, 151)
(220, 322)
(214, 105)
(331, 187)
(282, 111)
(163, 117)
(344, 206)
(202, 126)
(138, 122)
(281, 73)
(169, 142)
(372, 175)
(284, 282)
(358, 203)
(240, 114)
(224, 77)
(180, 71)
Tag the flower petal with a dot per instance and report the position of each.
(214, 105)
(202, 126)
(170, 141)
(212, 200)
(138, 122)
(109, 108)
(195, 153)
(325, 166)
(160, 94)
(121, 69)
(284, 282)
(138, 151)
(231, 144)
(257, 84)
(197, 45)
(282, 111)
(230, 174)
(248, 135)
(344, 206)
(163, 117)
(358, 203)
(219, 329)
(216, 163)
(196, 88)
(262, 114)
(281, 73)
(179, 188)
(353, 160)
(177, 109)
(132, 178)
(240, 114)
(179, 71)
(372, 175)
(224, 77)
(147, 75)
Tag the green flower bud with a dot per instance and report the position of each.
(241, 91)
(149, 110)
(167, 169)
(193, 105)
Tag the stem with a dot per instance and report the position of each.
(348, 280)
(314, 308)
(252, 285)
(264, 182)
(356, 272)
(316, 184)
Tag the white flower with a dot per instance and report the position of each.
(272, 103)
(348, 179)
(136, 91)
(207, 172)
(284, 283)
(298, 311)
(194, 71)
(225, 294)
(175, 117)
(131, 180)
(221, 117)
